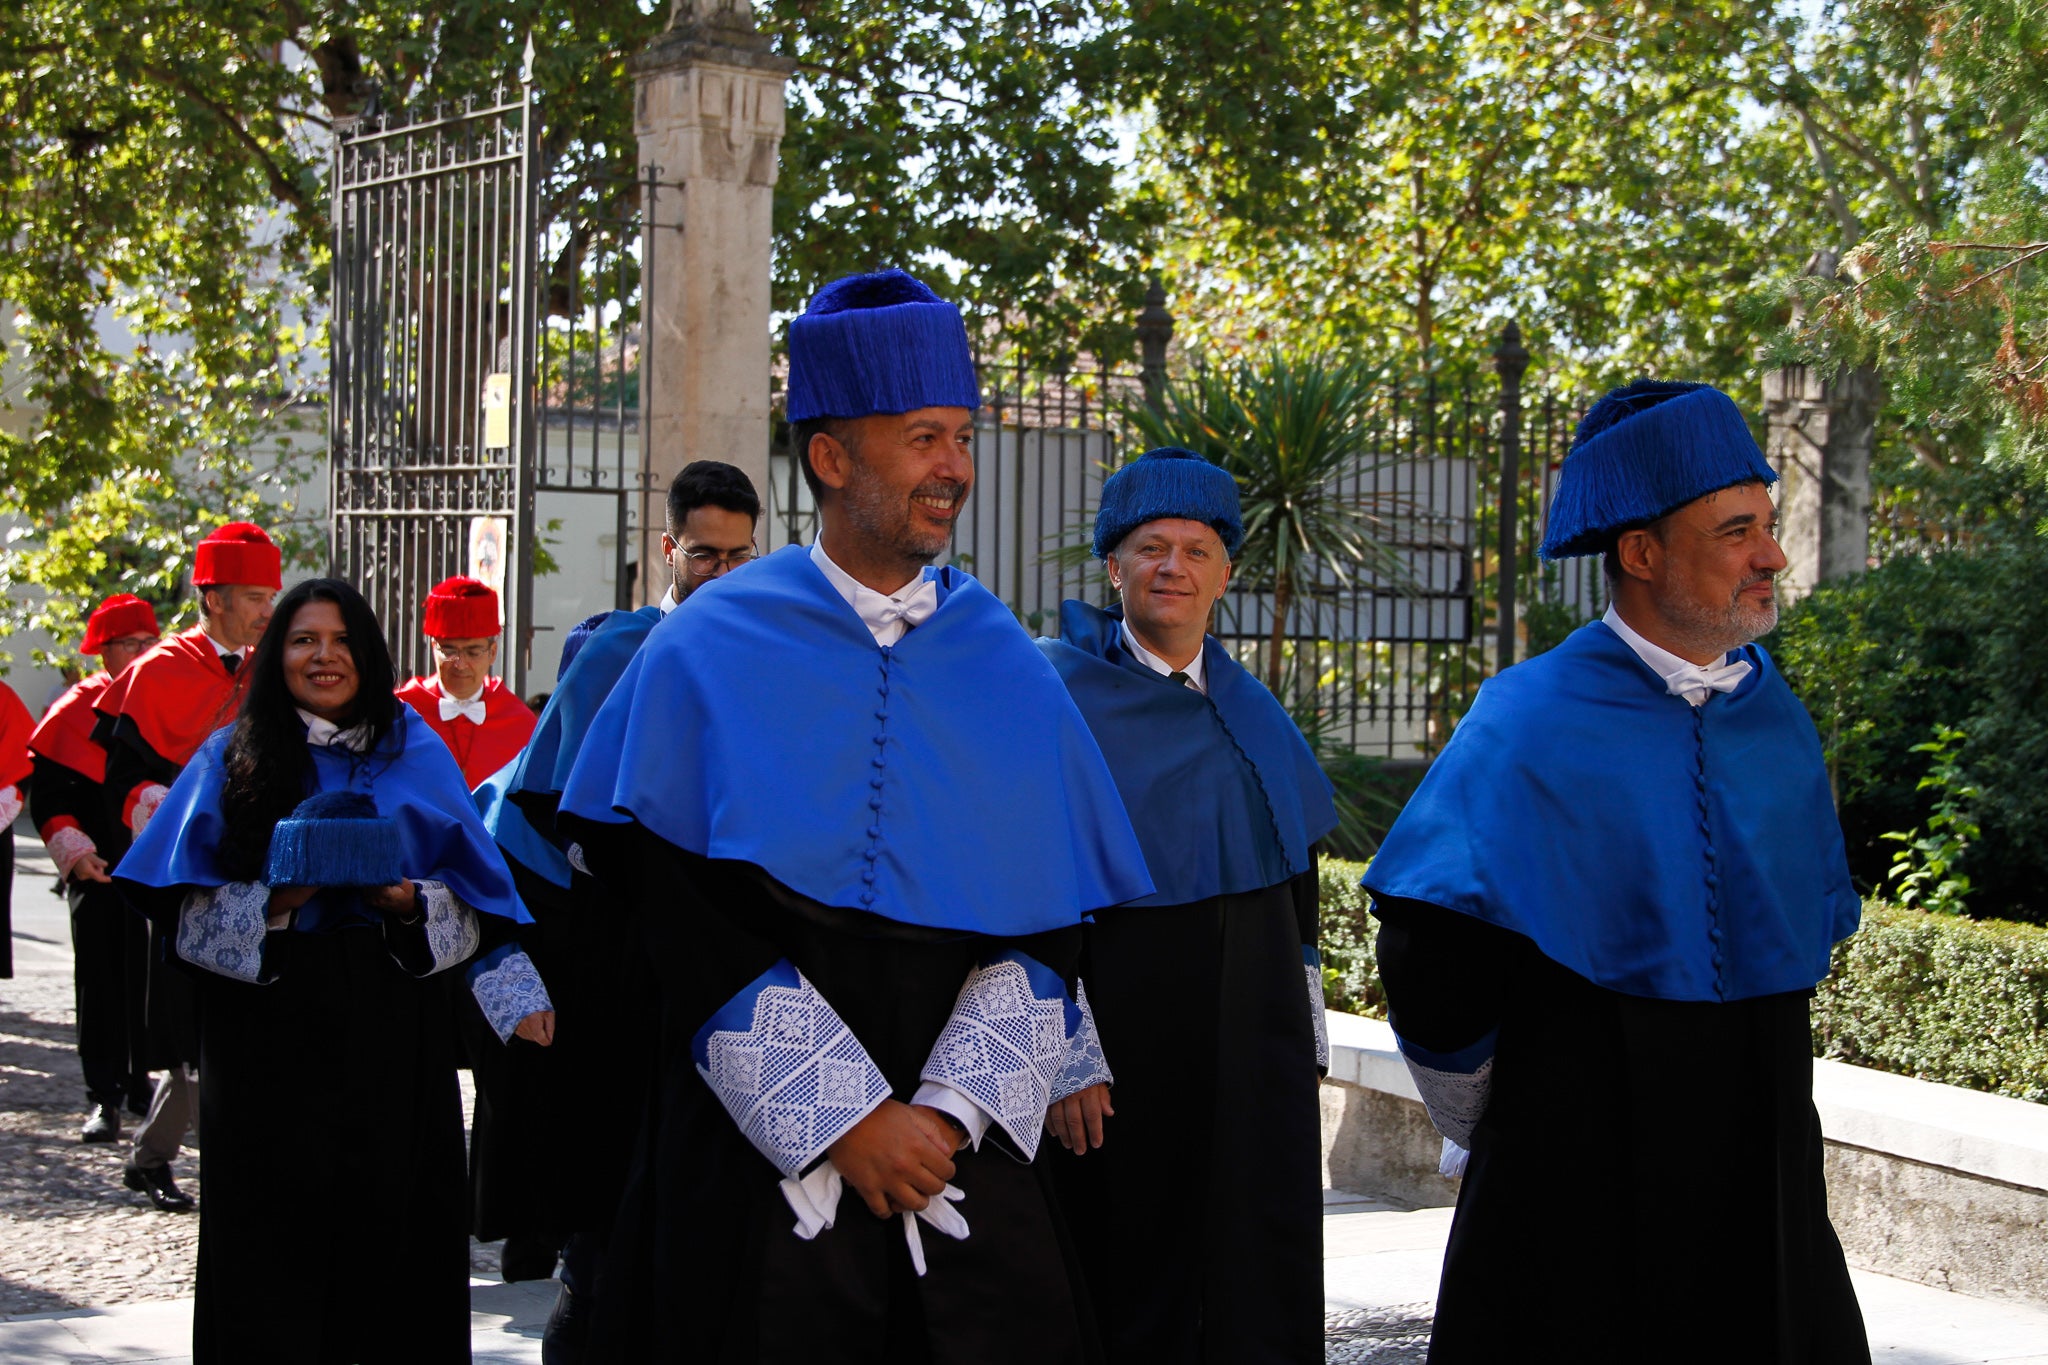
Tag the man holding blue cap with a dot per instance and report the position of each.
(1603, 915)
(1207, 994)
(860, 824)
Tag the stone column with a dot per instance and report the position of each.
(708, 110)
(1820, 438)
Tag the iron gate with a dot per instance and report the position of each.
(431, 361)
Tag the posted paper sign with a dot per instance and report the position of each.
(497, 411)
(487, 555)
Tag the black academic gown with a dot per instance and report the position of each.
(1199, 1219)
(1645, 1183)
(553, 1130)
(704, 1266)
(110, 947)
(172, 1006)
(332, 1226)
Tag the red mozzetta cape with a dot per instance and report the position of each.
(15, 724)
(479, 750)
(176, 695)
(65, 733)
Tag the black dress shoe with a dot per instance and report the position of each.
(528, 1256)
(103, 1126)
(568, 1329)
(156, 1182)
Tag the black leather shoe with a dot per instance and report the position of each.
(567, 1330)
(156, 1182)
(103, 1126)
(528, 1256)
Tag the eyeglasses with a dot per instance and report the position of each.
(704, 563)
(475, 654)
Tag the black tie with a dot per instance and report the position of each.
(1178, 679)
(231, 662)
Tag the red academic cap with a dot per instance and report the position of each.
(461, 608)
(238, 552)
(122, 614)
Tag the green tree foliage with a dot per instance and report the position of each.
(1945, 639)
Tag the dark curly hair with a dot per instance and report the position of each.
(269, 769)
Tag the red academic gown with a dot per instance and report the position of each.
(479, 750)
(15, 724)
(151, 720)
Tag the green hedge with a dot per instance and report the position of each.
(1964, 1002)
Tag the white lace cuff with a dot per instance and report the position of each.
(1006, 1043)
(507, 987)
(787, 1068)
(452, 935)
(1318, 1012)
(222, 929)
(1085, 1064)
(66, 847)
(10, 805)
(1454, 1085)
(147, 799)
(575, 859)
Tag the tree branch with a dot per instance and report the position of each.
(280, 184)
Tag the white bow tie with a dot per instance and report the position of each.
(916, 608)
(1695, 682)
(451, 707)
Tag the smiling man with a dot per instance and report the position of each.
(1602, 918)
(1207, 994)
(860, 824)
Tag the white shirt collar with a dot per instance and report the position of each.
(218, 647)
(322, 733)
(1682, 677)
(1160, 666)
(669, 600)
(888, 616)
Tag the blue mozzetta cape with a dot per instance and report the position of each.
(531, 785)
(946, 781)
(1224, 792)
(413, 779)
(1655, 848)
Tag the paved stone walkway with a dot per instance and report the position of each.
(90, 1273)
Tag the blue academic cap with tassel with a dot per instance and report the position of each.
(1644, 450)
(334, 838)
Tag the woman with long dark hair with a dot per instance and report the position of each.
(317, 863)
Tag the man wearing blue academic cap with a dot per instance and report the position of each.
(860, 824)
(1207, 995)
(1602, 918)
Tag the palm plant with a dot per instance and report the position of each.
(1287, 428)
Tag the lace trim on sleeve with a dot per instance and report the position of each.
(222, 929)
(67, 846)
(787, 1068)
(507, 987)
(1312, 965)
(452, 934)
(1006, 1044)
(1085, 1064)
(1455, 1086)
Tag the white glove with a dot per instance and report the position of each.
(941, 1214)
(815, 1201)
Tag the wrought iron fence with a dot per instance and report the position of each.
(1377, 665)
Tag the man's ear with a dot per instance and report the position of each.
(1635, 551)
(830, 460)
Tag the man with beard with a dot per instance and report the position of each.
(1603, 915)
(860, 824)
(110, 946)
(151, 720)
(553, 1130)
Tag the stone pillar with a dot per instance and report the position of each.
(708, 110)
(1820, 439)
